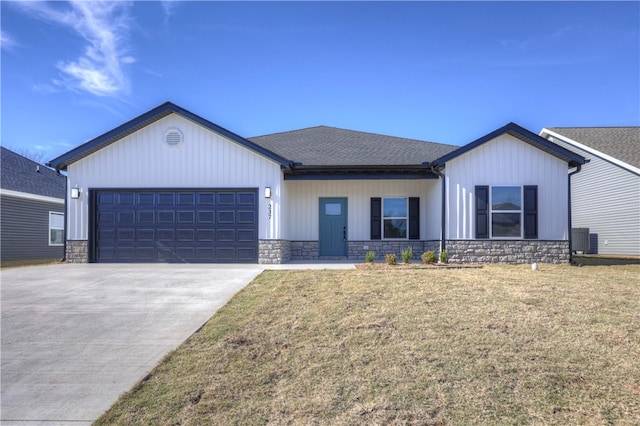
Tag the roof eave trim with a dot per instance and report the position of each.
(546, 132)
(63, 161)
(515, 130)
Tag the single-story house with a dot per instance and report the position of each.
(605, 202)
(171, 186)
(31, 210)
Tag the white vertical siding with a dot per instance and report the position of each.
(606, 199)
(506, 160)
(303, 205)
(204, 160)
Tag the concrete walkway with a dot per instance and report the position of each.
(76, 336)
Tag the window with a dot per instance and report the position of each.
(507, 212)
(56, 229)
(394, 220)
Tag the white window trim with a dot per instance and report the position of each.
(51, 214)
(491, 212)
(406, 218)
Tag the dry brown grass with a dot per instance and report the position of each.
(498, 345)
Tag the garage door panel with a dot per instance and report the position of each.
(205, 217)
(165, 199)
(126, 235)
(124, 199)
(186, 217)
(246, 199)
(246, 254)
(246, 235)
(176, 226)
(145, 217)
(246, 217)
(146, 199)
(206, 199)
(226, 217)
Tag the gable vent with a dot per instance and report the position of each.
(173, 137)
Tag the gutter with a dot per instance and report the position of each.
(577, 170)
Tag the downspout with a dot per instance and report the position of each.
(66, 215)
(577, 170)
(443, 222)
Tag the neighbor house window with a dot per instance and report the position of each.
(395, 218)
(56, 229)
(507, 212)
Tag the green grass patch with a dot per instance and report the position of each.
(497, 345)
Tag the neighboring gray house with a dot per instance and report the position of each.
(171, 186)
(31, 210)
(606, 192)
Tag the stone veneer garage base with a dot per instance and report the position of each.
(458, 251)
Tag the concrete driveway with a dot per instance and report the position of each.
(76, 336)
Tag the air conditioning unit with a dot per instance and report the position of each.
(580, 240)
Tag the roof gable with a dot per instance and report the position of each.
(21, 174)
(620, 143)
(330, 146)
(132, 126)
(522, 134)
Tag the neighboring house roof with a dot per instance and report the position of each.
(621, 143)
(21, 174)
(524, 135)
(62, 162)
(331, 146)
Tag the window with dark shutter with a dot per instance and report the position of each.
(376, 218)
(531, 212)
(482, 211)
(414, 218)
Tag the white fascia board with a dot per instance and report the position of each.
(27, 196)
(546, 132)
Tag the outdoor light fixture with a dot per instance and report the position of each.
(267, 192)
(75, 193)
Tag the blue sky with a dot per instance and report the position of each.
(445, 72)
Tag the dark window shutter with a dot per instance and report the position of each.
(482, 212)
(531, 212)
(376, 218)
(414, 218)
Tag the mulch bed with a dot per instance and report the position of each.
(385, 266)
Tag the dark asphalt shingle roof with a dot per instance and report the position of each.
(331, 146)
(622, 143)
(21, 174)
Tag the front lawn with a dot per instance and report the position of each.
(497, 345)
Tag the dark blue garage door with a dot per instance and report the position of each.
(191, 226)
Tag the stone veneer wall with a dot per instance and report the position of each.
(507, 251)
(274, 251)
(77, 251)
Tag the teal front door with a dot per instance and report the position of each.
(333, 227)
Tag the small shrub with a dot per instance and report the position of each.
(407, 254)
(428, 257)
(369, 256)
(443, 257)
(391, 259)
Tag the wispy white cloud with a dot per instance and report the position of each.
(104, 26)
(6, 41)
(169, 7)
